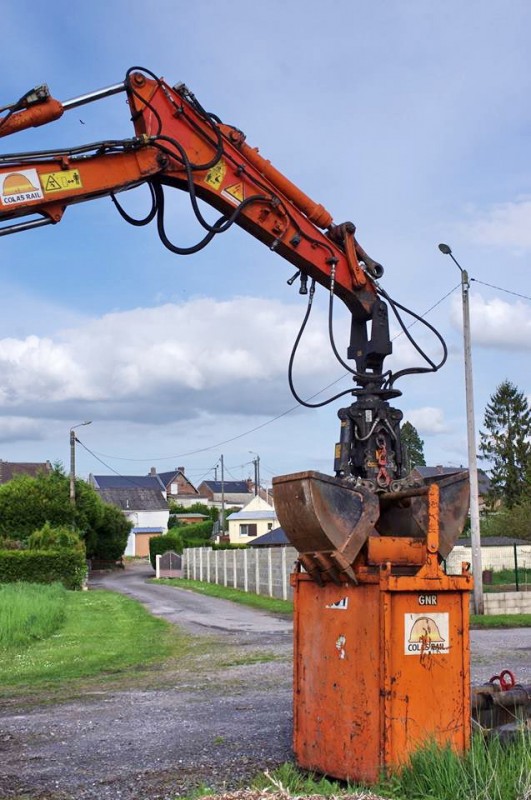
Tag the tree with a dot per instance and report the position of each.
(413, 446)
(112, 534)
(28, 504)
(506, 444)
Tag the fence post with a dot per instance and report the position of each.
(245, 575)
(257, 569)
(516, 568)
(269, 572)
(224, 568)
(216, 567)
(234, 570)
(284, 575)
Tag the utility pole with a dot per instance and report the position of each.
(222, 520)
(256, 463)
(73, 461)
(475, 533)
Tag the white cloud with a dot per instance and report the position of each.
(428, 420)
(170, 362)
(496, 323)
(504, 225)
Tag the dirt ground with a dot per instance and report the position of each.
(217, 719)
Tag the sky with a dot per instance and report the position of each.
(411, 119)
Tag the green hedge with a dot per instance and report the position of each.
(43, 566)
(161, 544)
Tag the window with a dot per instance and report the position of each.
(174, 488)
(269, 526)
(248, 529)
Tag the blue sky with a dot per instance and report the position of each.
(410, 118)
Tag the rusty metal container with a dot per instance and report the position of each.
(381, 645)
(381, 668)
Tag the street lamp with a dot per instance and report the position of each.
(471, 438)
(256, 462)
(73, 460)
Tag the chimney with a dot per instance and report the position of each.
(153, 471)
(180, 469)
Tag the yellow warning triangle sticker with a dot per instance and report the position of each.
(52, 184)
(236, 191)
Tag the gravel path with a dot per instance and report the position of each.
(216, 720)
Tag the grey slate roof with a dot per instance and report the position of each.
(493, 541)
(431, 472)
(234, 487)
(134, 499)
(243, 514)
(272, 538)
(128, 482)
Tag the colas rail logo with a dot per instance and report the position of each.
(20, 187)
(426, 634)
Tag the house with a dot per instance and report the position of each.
(257, 518)
(11, 469)
(177, 486)
(483, 479)
(234, 493)
(143, 501)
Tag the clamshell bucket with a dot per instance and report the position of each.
(329, 520)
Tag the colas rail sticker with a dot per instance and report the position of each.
(19, 187)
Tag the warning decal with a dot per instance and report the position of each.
(340, 605)
(19, 187)
(61, 181)
(234, 193)
(425, 634)
(215, 175)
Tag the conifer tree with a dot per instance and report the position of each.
(413, 446)
(506, 444)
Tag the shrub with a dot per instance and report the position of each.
(196, 535)
(43, 566)
(514, 522)
(161, 544)
(57, 538)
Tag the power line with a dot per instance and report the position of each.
(500, 289)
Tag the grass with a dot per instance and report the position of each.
(504, 577)
(29, 613)
(101, 633)
(491, 770)
(271, 604)
(500, 621)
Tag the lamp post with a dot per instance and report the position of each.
(73, 460)
(256, 462)
(471, 437)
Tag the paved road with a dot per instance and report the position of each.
(197, 613)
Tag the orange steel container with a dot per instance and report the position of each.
(381, 668)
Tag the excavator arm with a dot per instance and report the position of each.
(177, 144)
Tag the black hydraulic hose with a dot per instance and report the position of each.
(133, 91)
(415, 370)
(292, 359)
(131, 220)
